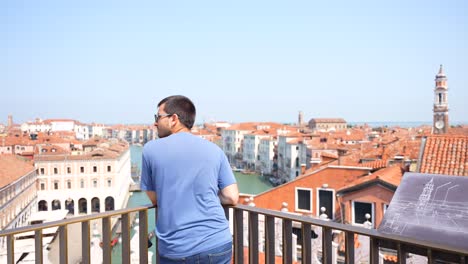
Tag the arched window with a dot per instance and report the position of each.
(82, 206)
(56, 205)
(109, 203)
(42, 206)
(70, 206)
(95, 206)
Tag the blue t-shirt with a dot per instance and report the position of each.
(187, 173)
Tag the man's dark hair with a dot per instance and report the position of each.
(182, 106)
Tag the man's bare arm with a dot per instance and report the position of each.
(152, 196)
(229, 195)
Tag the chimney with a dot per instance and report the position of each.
(303, 168)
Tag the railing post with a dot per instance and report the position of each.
(226, 212)
(287, 241)
(401, 254)
(85, 244)
(306, 244)
(349, 240)
(430, 258)
(143, 229)
(63, 239)
(106, 241)
(238, 236)
(269, 239)
(374, 250)
(38, 245)
(10, 249)
(326, 244)
(253, 238)
(125, 238)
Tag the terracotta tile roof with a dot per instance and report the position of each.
(325, 154)
(12, 168)
(105, 150)
(458, 130)
(445, 154)
(49, 150)
(94, 141)
(263, 132)
(328, 120)
(390, 258)
(391, 175)
(376, 164)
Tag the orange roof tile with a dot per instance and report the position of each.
(12, 168)
(445, 154)
(391, 175)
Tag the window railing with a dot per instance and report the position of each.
(240, 215)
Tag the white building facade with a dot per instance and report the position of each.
(94, 182)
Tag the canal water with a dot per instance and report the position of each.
(248, 183)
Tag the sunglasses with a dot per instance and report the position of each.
(158, 116)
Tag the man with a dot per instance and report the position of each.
(188, 178)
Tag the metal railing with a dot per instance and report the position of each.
(85, 236)
(432, 250)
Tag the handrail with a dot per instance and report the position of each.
(354, 229)
(377, 239)
(73, 220)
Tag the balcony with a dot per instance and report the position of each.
(247, 223)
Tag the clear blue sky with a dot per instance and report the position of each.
(111, 62)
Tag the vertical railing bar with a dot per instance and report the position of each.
(306, 244)
(63, 239)
(38, 245)
(326, 245)
(349, 240)
(430, 258)
(125, 238)
(253, 238)
(226, 212)
(462, 259)
(269, 239)
(143, 229)
(10, 249)
(238, 236)
(401, 254)
(287, 241)
(85, 243)
(106, 241)
(374, 250)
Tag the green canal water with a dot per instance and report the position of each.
(249, 184)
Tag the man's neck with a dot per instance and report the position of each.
(180, 129)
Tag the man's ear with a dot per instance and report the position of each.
(176, 119)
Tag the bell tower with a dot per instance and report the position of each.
(440, 121)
